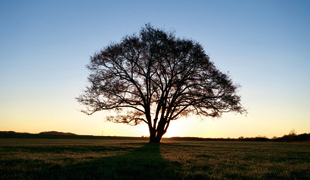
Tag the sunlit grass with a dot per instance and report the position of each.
(137, 159)
(240, 160)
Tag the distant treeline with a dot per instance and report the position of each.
(57, 133)
(43, 133)
(61, 135)
(285, 138)
(293, 137)
(47, 134)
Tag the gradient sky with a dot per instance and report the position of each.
(45, 45)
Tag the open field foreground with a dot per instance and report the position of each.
(117, 158)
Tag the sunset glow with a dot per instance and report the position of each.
(264, 45)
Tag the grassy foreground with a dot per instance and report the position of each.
(111, 158)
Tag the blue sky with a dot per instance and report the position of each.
(45, 45)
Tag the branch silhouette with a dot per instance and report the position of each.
(156, 78)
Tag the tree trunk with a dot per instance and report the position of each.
(155, 139)
(156, 135)
(152, 135)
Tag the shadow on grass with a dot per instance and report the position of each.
(143, 163)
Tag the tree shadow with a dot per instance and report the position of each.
(143, 163)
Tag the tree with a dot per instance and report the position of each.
(155, 78)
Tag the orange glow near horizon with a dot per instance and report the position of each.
(172, 132)
(229, 125)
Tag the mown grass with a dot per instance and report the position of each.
(136, 159)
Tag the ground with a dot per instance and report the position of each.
(134, 158)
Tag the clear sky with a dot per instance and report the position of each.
(45, 45)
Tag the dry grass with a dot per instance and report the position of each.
(240, 160)
(136, 159)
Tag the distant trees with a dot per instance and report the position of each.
(293, 132)
(155, 78)
(57, 133)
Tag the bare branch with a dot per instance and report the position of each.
(154, 77)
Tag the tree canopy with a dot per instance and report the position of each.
(154, 77)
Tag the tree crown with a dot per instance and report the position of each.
(154, 77)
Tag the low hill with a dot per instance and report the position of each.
(57, 133)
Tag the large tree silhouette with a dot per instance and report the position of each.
(155, 78)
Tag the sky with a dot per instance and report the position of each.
(264, 45)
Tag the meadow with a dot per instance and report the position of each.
(135, 158)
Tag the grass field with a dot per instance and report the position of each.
(117, 158)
